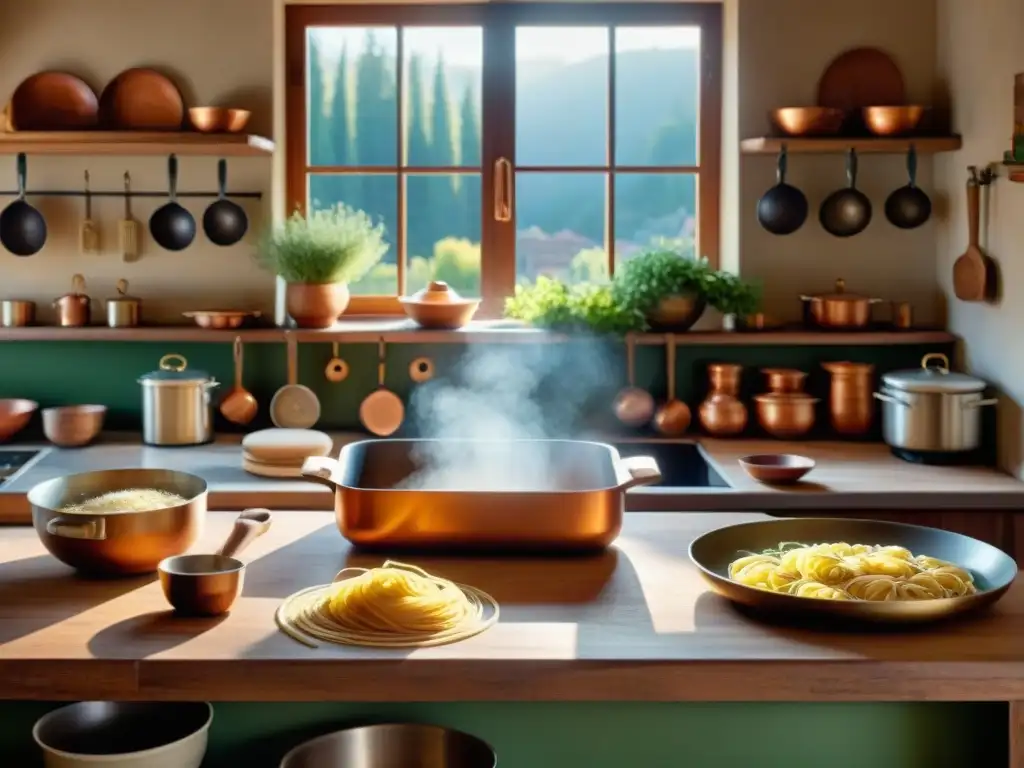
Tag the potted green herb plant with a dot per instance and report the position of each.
(672, 291)
(319, 256)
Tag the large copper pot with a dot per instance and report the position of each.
(118, 543)
(467, 494)
(851, 404)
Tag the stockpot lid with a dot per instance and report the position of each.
(933, 378)
(174, 370)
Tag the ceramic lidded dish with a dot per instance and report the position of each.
(439, 306)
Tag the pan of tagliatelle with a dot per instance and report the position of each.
(856, 570)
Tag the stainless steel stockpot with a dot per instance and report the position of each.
(932, 409)
(177, 404)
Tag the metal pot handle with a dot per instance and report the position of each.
(980, 403)
(636, 471)
(94, 529)
(944, 368)
(321, 469)
(890, 399)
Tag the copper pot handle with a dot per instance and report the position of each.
(636, 471)
(321, 469)
(249, 526)
(92, 530)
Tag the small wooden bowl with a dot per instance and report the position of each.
(15, 413)
(438, 306)
(220, 319)
(892, 121)
(808, 121)
(73, 426)
(776, 468)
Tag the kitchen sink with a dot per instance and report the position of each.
(12, 460)
(682, 465)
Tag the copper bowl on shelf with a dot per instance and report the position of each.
(786, 416)
(72, 426)
(808, 121)
(218, 119)
(776, 468)
(220, 319)
(15, 413)
(892, 121)
(438, 306)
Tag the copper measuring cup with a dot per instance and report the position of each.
(207, 585)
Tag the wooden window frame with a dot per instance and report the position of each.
(498, 239)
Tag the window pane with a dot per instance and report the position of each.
(443, 76)
(377, 195)
(560, 226)
(443, 226)
(562, 73)
(351, 107)
(657, 87)
(654, 209)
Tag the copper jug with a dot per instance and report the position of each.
(851, 404)
(722, 414)
(73, 308)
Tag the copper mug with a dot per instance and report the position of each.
(73, 309)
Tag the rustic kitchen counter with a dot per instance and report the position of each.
(849, 476)
(635, 623)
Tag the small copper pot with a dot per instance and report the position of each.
(786, 416)
(782, 380)
(722, 414)
(840, 310)
(74, 309)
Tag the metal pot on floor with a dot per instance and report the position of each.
(931, 411)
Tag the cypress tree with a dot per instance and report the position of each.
(441, 221)
(319, 139)
(418, 219)
(341, 138)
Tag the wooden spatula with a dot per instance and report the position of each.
(129, 226)
(970, 271)
(89, 234)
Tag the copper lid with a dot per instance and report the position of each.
(436, 292)
(785, 397)
(840, 294)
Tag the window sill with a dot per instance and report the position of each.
(403, 331)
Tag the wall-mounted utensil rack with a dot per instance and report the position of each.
(122, 194)
(137, 143)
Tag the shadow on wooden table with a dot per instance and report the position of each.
(148, 634)
(38, 592)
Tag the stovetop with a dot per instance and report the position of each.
(12, 460)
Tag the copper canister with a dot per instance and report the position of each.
(851, 403)
(73, 308)
(722, 414)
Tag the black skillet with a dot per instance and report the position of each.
(909, 206)
(224, 221)
(22, 227)
(171, 225)
(846, 212)
(783, 208)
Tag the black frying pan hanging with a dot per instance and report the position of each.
(171, 225)
(224, 221)
(22, 227)
(909, 206)
(846, 212)
(783, 208)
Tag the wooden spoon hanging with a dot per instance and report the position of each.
(970, 271)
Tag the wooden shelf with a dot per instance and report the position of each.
(368, 330)
(126, 143)
(1014, 171)
(771, 145)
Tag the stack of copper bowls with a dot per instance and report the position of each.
(785, 411)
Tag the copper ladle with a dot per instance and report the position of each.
(634, 406)
(239, 406)
(673, 418)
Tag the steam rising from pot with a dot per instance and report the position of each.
(500, 395)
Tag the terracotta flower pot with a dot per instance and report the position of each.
(316, 305)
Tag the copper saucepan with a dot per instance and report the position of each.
(840, 310)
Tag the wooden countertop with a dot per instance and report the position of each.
(848, 476)
(636, 623)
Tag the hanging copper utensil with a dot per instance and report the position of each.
(239, 406)
(88, 233)
(673, 418)
(337, 369)
(382, 412)
(294, 406)
(634, 406)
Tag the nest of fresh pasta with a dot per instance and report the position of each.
(842, 571)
